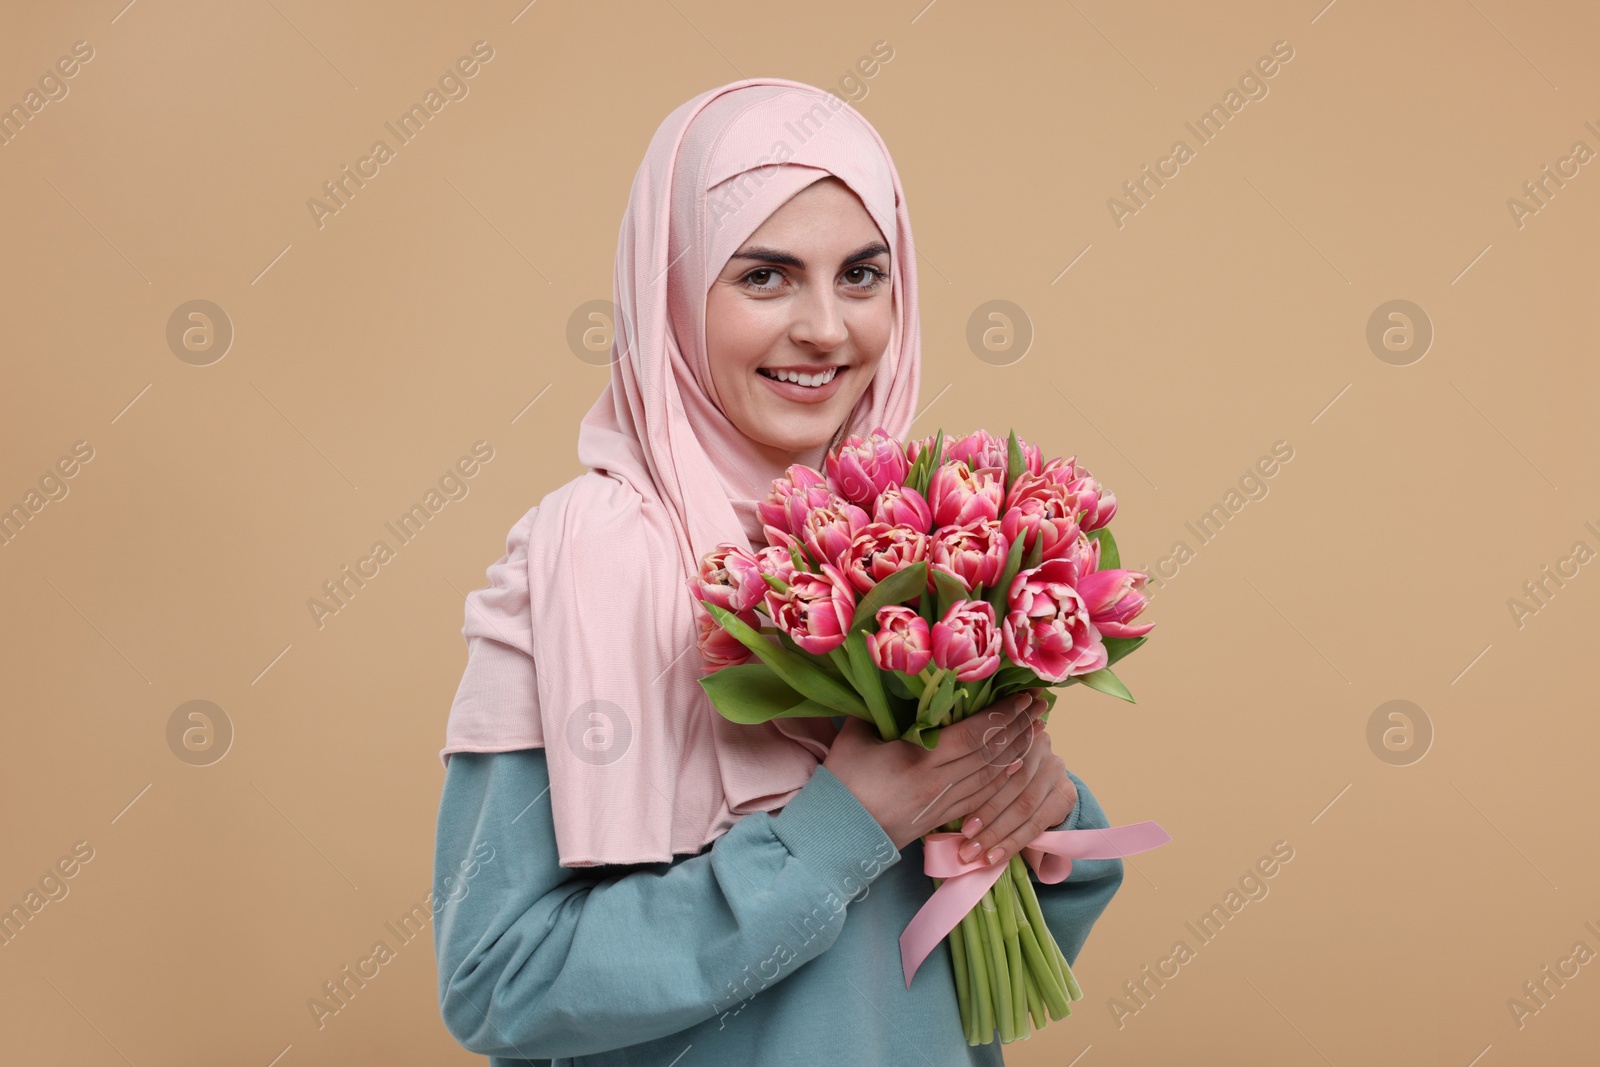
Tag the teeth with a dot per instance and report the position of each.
(803, 379)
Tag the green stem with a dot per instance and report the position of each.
(1073, 989)
(999, 973)
(930, 679)
(1030, 906)
(1051, 991)
(958, 963)
(977, 960)
(1035, 1003)
(1008, 906)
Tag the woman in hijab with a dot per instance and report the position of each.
(620, 872)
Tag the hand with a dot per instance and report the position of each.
(911, 790)
(1038, 798)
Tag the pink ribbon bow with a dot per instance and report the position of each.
(1050, 854)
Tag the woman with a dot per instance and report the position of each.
(626, 875)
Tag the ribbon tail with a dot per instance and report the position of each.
(941, 913)
(1052, 852)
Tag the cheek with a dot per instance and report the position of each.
(873, 331)
(737, 339)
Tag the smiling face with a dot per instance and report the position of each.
(808, 292)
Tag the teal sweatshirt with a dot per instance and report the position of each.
(776, 945)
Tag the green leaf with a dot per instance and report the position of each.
(898, 588)
(750, 693)
(1117, 647)
(998, 596)
(846, 669)
(1015, 462)
(1035, 554)
(1110, 558)
(950, 590)
(943, 697)
(869, 681)
(914, 474)
(934, 456)
(924, 735)
(896, 682)
(981, 698)
(795, 668)
(1014, 674)
(1106, 682)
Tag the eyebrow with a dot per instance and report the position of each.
(788, 259)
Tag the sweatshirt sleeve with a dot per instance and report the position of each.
(542, 961)
(1071, 906)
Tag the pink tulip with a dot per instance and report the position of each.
(959, 494)
(966, 640)
(1093, 505)
(729, 577)
(776, 561)
(1047, 627)
(816, 611)
(1063, 469)
(983, 449)
(799, 480)
(1084, 555)
(920, 445)
(863, 468)
(901, 505)
(880, 550)
(1040, 507)
(1097, 503)
(826, 529)
(973, 554)
(719, 648)
(1113, 599)
(902, 642)
(977, 449)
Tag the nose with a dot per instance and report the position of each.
(818, 321)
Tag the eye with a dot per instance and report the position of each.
(875, 277)
(747, 279)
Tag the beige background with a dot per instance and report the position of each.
(1228, 313)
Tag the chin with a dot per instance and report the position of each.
(800, 440)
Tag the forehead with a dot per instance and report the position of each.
(825, 217)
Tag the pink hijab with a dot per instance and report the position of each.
(584, 642)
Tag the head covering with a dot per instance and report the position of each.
(585, 641)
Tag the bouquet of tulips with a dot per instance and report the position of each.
(913, 585)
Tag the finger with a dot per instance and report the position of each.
(959, 798)
(970, 734)
(989, 820)
(988, 787)
(1060, 796)
(999, 745)
(972, 777)
(976, 777)
(1046, 801)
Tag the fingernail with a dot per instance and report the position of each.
(968, 852)
(994, 855)
(971, 826)
(1037, 728)
(1013, 767)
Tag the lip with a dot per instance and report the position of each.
(806, 394)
